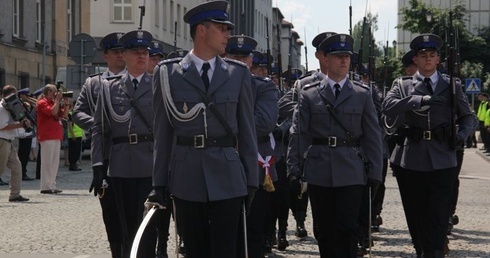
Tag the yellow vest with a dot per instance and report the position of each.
(77, 131)
(487, 118)
(482, 111)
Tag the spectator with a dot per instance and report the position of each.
(75, 134)
(8, 154)
(50, 111)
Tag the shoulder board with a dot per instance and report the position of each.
(260, 78)
(113, 77)
(235, 62)
(360, 84)
(447, 78)
(308, 74)
(311, 85)
(95, 74)
(171, 60)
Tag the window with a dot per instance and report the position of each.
(39, 21)
(23, 80)
(17, 18)
(122, 11)
(164, 14)
(185, 25)
(70, 13)
(157, 13)
(178, 20)
(172, 18)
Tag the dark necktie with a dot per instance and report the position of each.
(135, 84)
(204, 75)
(337, 90)
(428, 83)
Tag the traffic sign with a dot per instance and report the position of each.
(82, 48)
(473, 85)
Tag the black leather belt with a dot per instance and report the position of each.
(262, 139)
(7, 140)
(416, 134)
(200, 142)
(132, 139)
(333, 141)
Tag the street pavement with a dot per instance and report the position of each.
(69, 225)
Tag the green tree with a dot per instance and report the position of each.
(365, 32)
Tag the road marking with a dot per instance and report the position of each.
(82, 256)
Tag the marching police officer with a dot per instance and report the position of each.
(265, 117)
(345, 153)
(124, 112)
(156, 55)
(428, 158)
(83, 116)
(205, 141)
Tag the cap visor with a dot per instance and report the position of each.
(342, 52)
(230, 24)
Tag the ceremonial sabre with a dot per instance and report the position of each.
(141, 230)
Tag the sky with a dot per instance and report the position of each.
(315, 16)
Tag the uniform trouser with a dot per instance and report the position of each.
(23, 152)
(50, 161)
(10, 160)
(279, 198)
(298, 206)
(74, 150)
(484, 134)
(256, 229)
(378, 198)
(163, 225)
(110, 217)
(130, 195)
(335, 212)
(426, 202)
(455, 192)
(210, 229)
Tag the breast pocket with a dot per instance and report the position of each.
(319, 114)
(227, 106)
(120, 104)
(185, 101)
(352, 116)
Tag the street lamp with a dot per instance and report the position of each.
(394, 47)
(429, 17)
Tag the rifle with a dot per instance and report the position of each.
(359, 59)
(142, 14)
(451, 65)
(306, 53)
(279, 57)
(350, 19)
(269, 68)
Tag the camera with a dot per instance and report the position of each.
(62, 89)
(16, 108)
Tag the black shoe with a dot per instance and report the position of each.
(375, 229)
(75, 168)
(300, 230)
(282, 242)
(26, 178)
(47, 192)
(455, 219)
(19, 198)
(3, 183)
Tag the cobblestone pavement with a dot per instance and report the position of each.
(69, 225)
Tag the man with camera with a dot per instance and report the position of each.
(8, 153)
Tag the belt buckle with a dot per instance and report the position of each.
(199, 141)
(427, 135)
(332, 141)
(133, 138)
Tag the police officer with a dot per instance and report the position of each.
(156, 55)
(428, 159)
(83, 116)
(124, 113)
(409, 67)
(265, 117)
(339, 116)
(205, 142)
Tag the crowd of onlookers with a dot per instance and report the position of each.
(48, 113)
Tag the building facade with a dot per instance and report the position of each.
(34, 39)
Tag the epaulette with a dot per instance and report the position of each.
(260, 78)
(171, 60)
(95, 74)
(447, 78)
(360, 84)
(311, 85)
(307, 74)
(229, 60)
(114, 77)
(407, 77)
